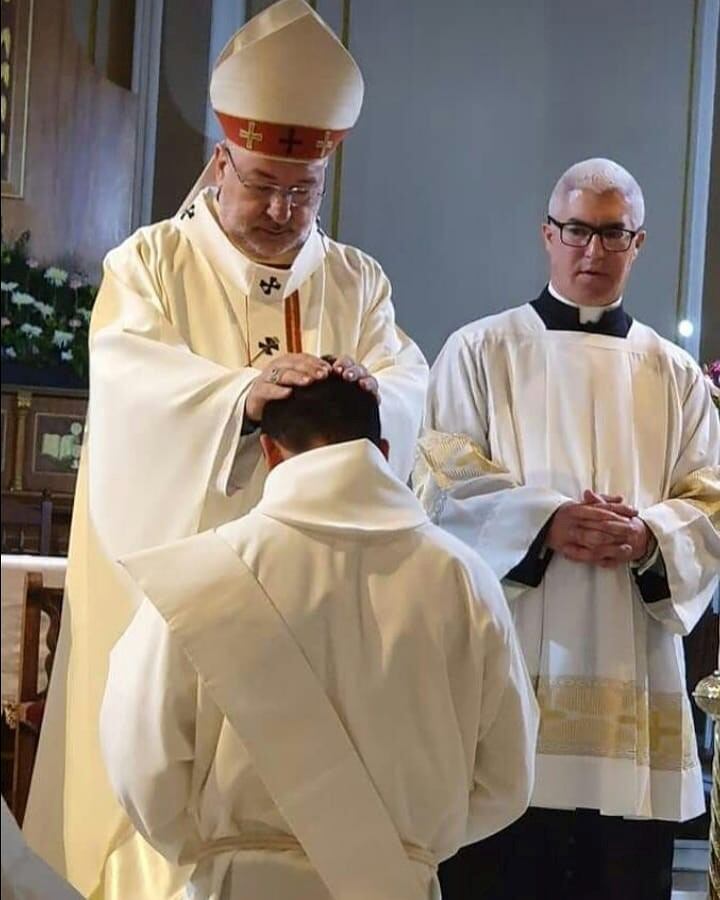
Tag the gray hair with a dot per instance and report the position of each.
(600, 176)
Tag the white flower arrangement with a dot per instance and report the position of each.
(19, 298)
(32, 331)
(56, 276)
(63, 338)
(45, 309)
(46, 313)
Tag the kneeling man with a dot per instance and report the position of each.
(324, 698)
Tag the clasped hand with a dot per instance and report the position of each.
(601, 530)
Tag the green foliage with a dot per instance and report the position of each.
(45, 311)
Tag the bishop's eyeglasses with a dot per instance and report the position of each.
(263, 191)
(577, 234)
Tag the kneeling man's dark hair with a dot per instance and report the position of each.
(330, 411)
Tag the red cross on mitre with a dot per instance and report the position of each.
(281, 141)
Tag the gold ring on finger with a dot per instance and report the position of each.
(274, 376)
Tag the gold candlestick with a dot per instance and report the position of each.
(707, 697)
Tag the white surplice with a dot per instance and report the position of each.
(407, 632)
(522, 419)
(180, 315)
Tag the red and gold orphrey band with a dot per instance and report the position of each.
(293, 332)
(282, 141)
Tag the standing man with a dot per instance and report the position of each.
(200, 321)
(291, 710)
(577, 451)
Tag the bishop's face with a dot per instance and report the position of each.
(591, 275)
(258, 210)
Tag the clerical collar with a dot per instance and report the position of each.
(560, 314)
(585, 313)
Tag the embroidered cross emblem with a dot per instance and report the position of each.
(267, 287)
(267, 348)
(250, 135)
(290, 141)
(269, 345)
(188, 212)
(325, 145)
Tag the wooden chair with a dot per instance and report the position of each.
(26, 716)
(27, 516)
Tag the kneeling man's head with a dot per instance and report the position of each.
(330, 411)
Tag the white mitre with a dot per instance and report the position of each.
(285, 87)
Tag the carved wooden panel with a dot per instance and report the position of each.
(15, 46)
(42, 438)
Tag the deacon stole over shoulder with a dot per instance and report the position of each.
(283, 716)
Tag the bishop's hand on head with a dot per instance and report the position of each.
(298, 370)
(352, 371)
(277, 381)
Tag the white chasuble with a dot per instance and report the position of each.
(522, 419)
(177, 327)
(329, 650)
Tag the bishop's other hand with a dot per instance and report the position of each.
(278, 379)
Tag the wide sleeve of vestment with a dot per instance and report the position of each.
(464, 489)
(397, 364)
(504, 765)
(148, 726)
(686, 525)
(164, 421)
